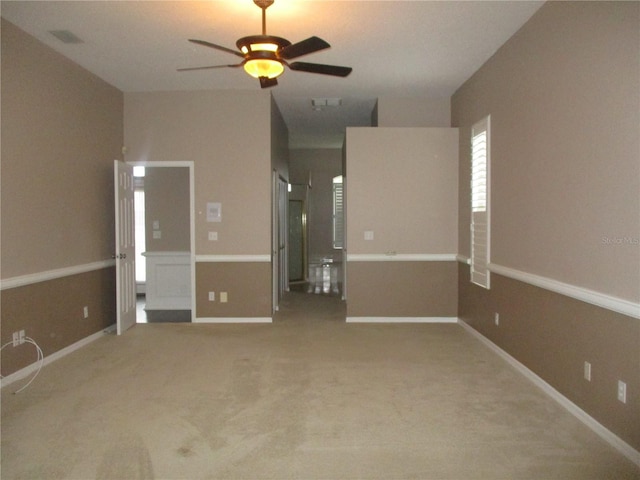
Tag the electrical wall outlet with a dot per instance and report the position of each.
(213, 236)
(587, 371)
(212, 296)
(223, 297)
(18, 338)
(496, 318)
(85, 312)
(622, 391)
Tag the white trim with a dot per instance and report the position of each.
(401, 257)
(162, 164)
(607, 435)
(166, 254)
(233, 320)
(463, 259)
(29, 369)
(402, 320)
(233, 258)
(32, 278)
(615, 304)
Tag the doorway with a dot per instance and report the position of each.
(164, 232)
(297, 241)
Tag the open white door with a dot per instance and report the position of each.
(125, 247)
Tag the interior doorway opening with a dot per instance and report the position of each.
(164, 234)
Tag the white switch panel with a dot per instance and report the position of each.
(212, 296)
(368, 235)
(157, 234)
(223, 297)
(213, 236)
(156, 224)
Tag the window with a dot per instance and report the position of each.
(480, 202)
(338, 213)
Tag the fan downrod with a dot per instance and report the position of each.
(264, 4)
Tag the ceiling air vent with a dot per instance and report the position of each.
(65, 36)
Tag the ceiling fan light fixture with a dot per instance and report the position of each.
(260, 47)
(263, 67)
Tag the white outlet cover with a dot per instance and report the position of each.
(368, 235)
(212, 296)
(213, 236)
(622, 391)
(587, 371)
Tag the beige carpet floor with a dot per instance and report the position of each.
(307, 397)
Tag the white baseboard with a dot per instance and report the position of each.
(402, 320)
(607, 435)
(233, 320)
(29, 369)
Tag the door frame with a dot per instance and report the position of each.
(279, 230)
(303, 241)
(192, 222)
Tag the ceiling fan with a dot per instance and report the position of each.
(265, 56)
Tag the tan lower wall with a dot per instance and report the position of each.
(248, 287)
(402, 289)
(553, 335)
(51, 312)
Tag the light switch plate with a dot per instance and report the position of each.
(368, 235)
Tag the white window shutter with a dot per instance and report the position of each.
(338, 216)
(480, 205)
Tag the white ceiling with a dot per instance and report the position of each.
(396, 48)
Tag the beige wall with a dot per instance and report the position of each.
(61, 131)
(402, 185)
(166, 196)
(279, 142)
(413, 112)
(402, 289)
(247, 286)
(563, 94)
(228, 137)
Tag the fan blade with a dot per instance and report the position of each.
(310, 45)
(266, 82)
(217, 47)
(208, 68)
(334, 70)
